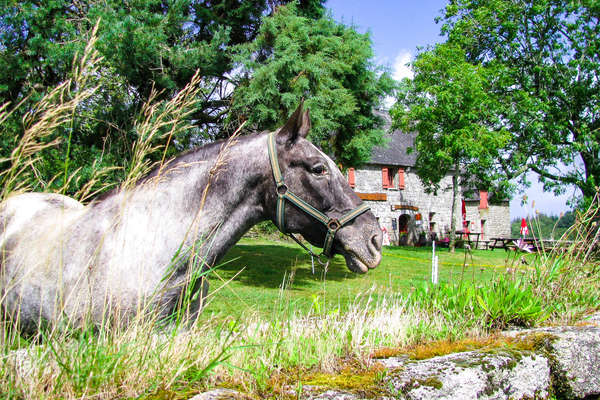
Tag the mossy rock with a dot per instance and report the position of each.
(474, 375)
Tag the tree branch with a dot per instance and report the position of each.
(564, 179)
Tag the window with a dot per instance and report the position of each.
(392, 178)
(418, 219)
(351, 177)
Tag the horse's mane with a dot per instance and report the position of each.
(202, 153)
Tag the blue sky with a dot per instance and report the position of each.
(398, 28)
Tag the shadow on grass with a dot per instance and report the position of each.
(268, 265)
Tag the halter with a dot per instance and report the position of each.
(283, 194)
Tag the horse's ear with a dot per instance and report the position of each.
(298, 125)
(305, 126)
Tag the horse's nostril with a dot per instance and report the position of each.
(377, 239)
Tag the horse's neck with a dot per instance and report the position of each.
(234, 195)
(212, 201)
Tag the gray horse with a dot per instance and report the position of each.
(145, 246)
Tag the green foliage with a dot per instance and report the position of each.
(327, 63)
(500, 302)
(150, 49)
(88, 362)
(449, 106)
(545, 64)
(259, 57)
(511, 301)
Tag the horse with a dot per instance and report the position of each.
(150, 245)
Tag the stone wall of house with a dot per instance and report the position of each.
(499, 220)
(491, 222)
(434, 210)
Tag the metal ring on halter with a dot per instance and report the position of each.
(282, 189)
(333, 224)
(322, 257)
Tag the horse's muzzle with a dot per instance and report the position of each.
(362, 250)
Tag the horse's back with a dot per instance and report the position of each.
(30, 229)
(20, 212)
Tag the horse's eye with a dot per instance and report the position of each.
(319, 169)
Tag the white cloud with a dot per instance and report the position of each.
(401, 69)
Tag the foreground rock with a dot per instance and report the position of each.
(473, 375)
(221, 394)
(560, 361)
(574, 357)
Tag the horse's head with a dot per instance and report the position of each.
(308, 174)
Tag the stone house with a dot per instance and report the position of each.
(409, 215)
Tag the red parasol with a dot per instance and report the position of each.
(524, 230)
(464, 217)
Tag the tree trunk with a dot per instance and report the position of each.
(452, 243)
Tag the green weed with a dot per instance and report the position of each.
(511, 302)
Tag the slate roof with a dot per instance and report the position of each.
(395, 151)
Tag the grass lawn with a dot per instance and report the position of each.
(264, 267)
(276, 326)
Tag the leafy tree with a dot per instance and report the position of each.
(327, 63)
(152, 48)
(546, 62)
(448, 105)
(149, 48)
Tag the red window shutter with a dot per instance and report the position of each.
(401, 178)
(351, 177)
(483, 199)
(385, 178)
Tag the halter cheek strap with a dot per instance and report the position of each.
(284, 194)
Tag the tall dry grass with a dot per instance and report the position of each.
(567, 272)
(254, 354)
(56, 109)
(159, 121)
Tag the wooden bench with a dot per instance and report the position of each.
(484, 244)
(525, 244)
(502, 243)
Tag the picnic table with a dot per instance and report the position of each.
(532, 244)
(499, 243)
(505, 243)
(470, 237)
(535, 244)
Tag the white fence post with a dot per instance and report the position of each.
(434, 265)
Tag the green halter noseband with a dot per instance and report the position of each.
(283, 194)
